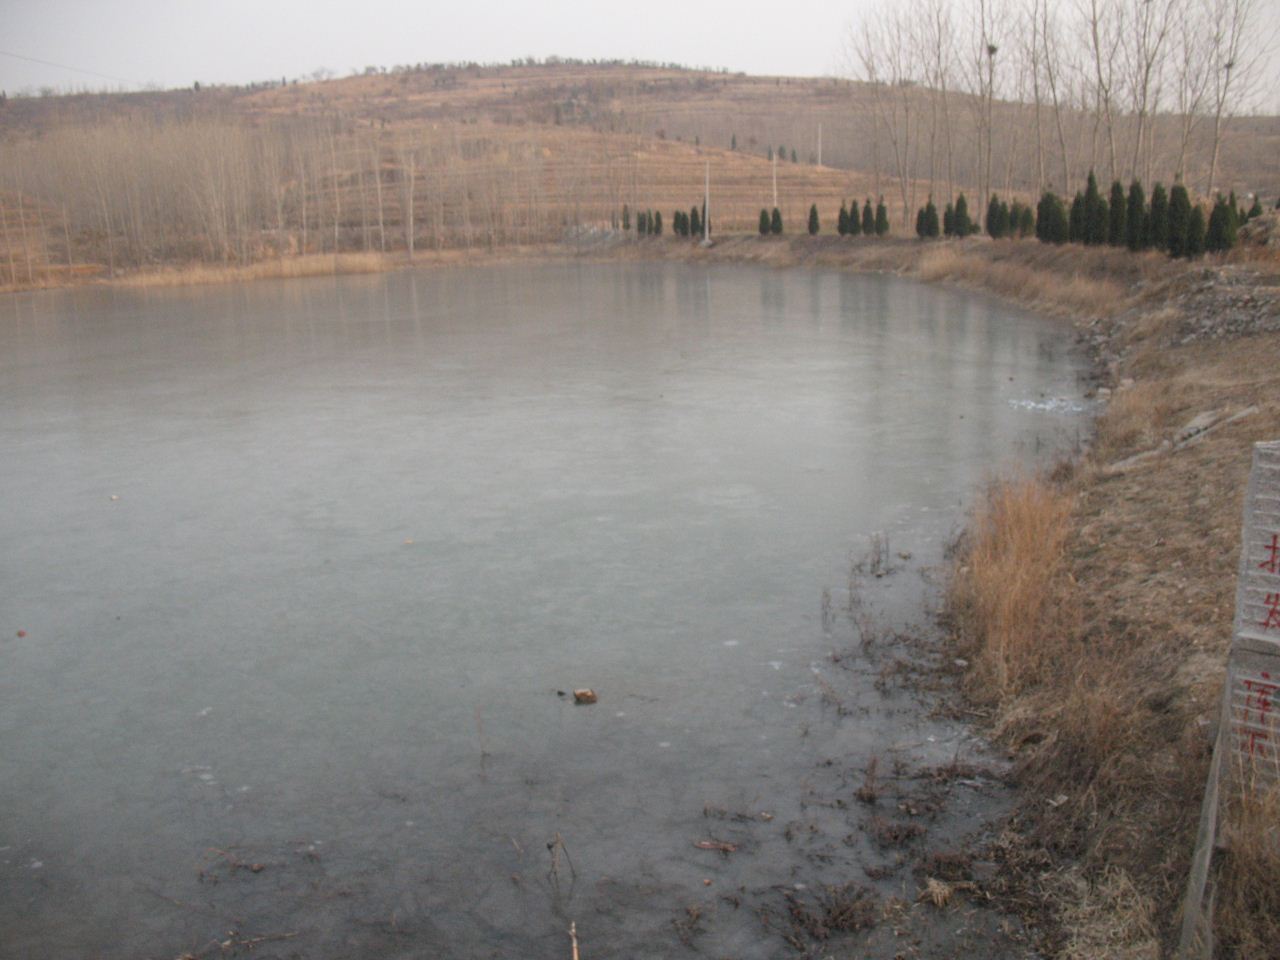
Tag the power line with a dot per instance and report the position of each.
(63, 66)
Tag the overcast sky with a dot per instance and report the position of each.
(176, 42)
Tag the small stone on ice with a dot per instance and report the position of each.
(585, 695)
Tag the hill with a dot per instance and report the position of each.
(470, 155)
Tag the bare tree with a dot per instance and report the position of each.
(1143, 43)
(1104, 24)
(1190, 75)
(1235, 50)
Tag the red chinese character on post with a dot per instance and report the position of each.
(1273, 612)
(1258, 699)
(1272, 563)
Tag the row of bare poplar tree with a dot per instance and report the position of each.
(1135, 89)
(128, 192)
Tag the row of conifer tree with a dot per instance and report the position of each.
(848, 221)
(1170, 221)
(649, 222)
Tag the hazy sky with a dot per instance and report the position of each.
(176, 42)
(173, 42)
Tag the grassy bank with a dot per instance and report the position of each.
(1094, 607)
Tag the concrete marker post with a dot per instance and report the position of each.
(1246, 753)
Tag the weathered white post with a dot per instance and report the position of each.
(706, 209)
(1246, 754)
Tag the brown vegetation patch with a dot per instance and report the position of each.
(818, 915)
(1096, 610)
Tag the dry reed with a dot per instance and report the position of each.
(1003, 591)
(310, 265)
(1055, 289)
(1248, 908)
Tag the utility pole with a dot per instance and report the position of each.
(706, 209)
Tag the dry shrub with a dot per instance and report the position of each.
(1003, 591)
(1248, 904)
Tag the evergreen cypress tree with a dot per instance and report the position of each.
(1256, 209)
(677, 224)
(657, 223)
(793, 154)
(1042, 216)
(1196, 230)
(1117, 233)
(695, 222)
(961, 225)
(642, 223)
(764, 222)
(1026, 222)
(1217, 226)
(1157, 225)
(813, 220)
(1179, 220)
(775, 222)
(930, 219)
(1095, 213)
(1221, 234)
(993, 217)
(868, 219)
(882, 218)
(626, 217)
(1075, 221)
(733, 142)
(1051, 220)
(920, 228)
(1014, 216)
(855, 221)
(842, 221)
(948, 221)
(1234, 207)
(782, 153)
(1135, 220)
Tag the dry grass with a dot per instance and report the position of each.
(1054, 289)
(1109, 917)
(1248, 894)
(1002, 592)
(312, 265)
(1096, 614)
(1138, 418)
